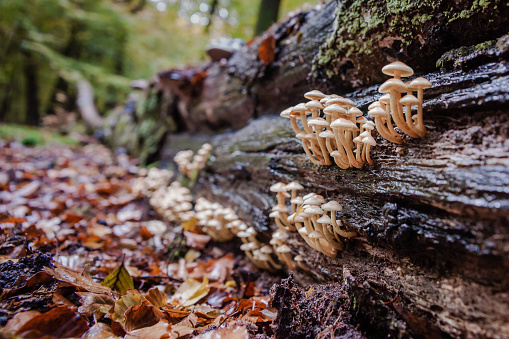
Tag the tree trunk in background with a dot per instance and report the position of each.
(267, 15)
(31, 91)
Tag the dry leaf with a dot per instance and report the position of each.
(137, 317)
(153, 332)
(20, 319)
(120, 279)
(100, 331)
(239, 332)
(191, 291)
(267, 50)
(123, 304)
(95, 304)
(190, 225)
(59, 322)
(157, 297)
(77, 280)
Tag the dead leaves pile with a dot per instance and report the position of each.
(113, 273)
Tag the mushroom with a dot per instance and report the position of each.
(318, 124)
(317, 237)
(314, 95)
(369, 141)
(293, 187)
(300, 262)
(385, 101)
(395, 87)
(339, 126)
(397, 70)
(420, 84)
(379, 113)
(284, 250)
(268, 251)
(408, 101)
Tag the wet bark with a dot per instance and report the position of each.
(432, 215)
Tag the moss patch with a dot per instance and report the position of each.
(32, 136)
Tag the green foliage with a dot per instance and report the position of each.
(32, 136)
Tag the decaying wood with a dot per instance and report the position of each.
(432, 254)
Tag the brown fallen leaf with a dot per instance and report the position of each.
(100, 331)
(239, 332)
(20, 319)
(162, 328)
(137, 317)
(267, 50)
(95, 304)
(157, 297)
(59, 322)
(123, 304)
(81, 282)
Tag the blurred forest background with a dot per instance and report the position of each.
(48, 46)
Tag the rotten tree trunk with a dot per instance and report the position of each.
(432, 214)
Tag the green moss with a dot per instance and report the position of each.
(31, 136)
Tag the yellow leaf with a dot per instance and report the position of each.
(230, 283)
(190, 225)
(191, 291)
(120, 279)
(123, 304)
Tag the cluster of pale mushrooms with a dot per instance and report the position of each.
(190, 164)
(311, 216)
(331, 126)
(392, 107)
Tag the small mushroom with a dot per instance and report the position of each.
(420, 84)
(300, 262)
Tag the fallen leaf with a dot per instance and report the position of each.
(157, 297)
(95, 304)
(140, 316)
(120, 279)
(82, 282)
(100, 331)
(157, 331)
(59, 322)
(20, 319)
(239, 332)
(191, 291)
(123, 304)
(267, 49)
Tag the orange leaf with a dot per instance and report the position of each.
(60, 322)
(141, 316)
(267, 50)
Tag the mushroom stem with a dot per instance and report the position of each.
(397, 110)
(307, 148)
(346, 146)
(367, 155)
(409, 120)
(385, 132)
(420, 122)
(390, 126)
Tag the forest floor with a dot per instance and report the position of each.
(84, 255)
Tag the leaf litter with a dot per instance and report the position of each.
(83, 255)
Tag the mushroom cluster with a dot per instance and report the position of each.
(190, 164)
(311, 216)
(216, 220)
(331, 126)
(392, 107)
(173, 202)
(150, 181)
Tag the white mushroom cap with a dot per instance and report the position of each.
(314, 95)
(409, 100)
(332, 206)
(369, 140)
(324, 219)
(303, 231)
(273, 241)
(385, 99)
(279, 235)
(315, 235)
(365, 134)
(374, 104)
(313, 210)
(344, 102)
(309, 195)
(266, 250)
(354, 111)
(327, 134)
(314, 104)
(286, 113)
(334, 108)
(314, 200)
(243, 234)
(278, 187)
(318, 122)
(298, 258)
(420, 83)
(297, 200)
(279, 208)
(294, 186)
(395, 84)
(274, 214)
(397, 67)
(300, 108)
(283, 249)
